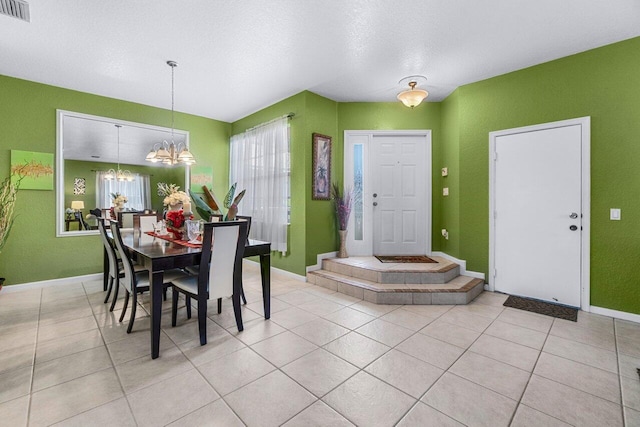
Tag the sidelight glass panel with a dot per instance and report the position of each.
(357, 192)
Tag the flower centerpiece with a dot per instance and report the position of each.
(117, 200)
(175, 223)
(178, 204)
(343, 205)
(173, 197)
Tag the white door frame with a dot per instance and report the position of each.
(352, 137)
(585, 123)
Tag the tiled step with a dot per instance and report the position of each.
(370, 269)
(460, 290)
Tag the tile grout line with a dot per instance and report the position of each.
(447, 370)
(33, 366)
(533, 368)
(615, 340)
(113, 365)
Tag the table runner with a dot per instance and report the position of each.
(179, 242)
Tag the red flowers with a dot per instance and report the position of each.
(175, 218)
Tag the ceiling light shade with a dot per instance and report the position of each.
(120, 175)
(167, 152)
(412, 97)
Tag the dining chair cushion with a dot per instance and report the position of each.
(189, 283)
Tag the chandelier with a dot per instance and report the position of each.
(170, 153)
(120, 175)
(413, 97)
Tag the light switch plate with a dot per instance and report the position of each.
(445, 171)
(445, 191)
(614, 214)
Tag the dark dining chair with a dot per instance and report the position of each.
(115, 264)
(219, 274)
(135, 281)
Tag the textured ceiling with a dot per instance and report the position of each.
(237, 57)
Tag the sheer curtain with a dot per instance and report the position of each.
(260, 164)
(138, 191)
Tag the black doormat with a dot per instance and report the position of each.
(408, 259)
(542, 307)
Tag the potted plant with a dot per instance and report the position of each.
(343, 205)
(8, 194)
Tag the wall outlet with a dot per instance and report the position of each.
(445, 191)
(614, 214)
(445, 171)
(445, 234)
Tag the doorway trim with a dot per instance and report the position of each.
(365, 137)
(585, 125)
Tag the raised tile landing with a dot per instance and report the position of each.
(397, 283)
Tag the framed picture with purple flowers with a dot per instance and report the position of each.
(321, 168)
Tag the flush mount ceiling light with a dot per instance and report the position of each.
(120, 175)
(170, 153)
(413, 97)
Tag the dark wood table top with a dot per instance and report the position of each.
(155, 248)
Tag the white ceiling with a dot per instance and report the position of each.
(237, 57)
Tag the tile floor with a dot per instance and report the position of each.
(323, 359)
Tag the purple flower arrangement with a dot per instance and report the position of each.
(343, 205)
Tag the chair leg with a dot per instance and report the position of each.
(174, 307)
(237, 311)
(202, 320)
(164, 294)
(187, 302)
(116, 284)
(244, 299)
(109, 288)
(219, 305)
(126, 304)
(133, 312)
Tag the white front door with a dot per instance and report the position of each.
(391, 170)
(398, 195)
(538, 212)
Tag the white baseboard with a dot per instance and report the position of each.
(462, 263)
(51, 282)
(320, 257)
(623, 315)
(279, 271)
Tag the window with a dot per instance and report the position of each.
(137, 191)
(260, 165)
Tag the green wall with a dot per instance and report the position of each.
(395, 116)
(322, 227)
(450, 207)
(603, 83)
(28, 112)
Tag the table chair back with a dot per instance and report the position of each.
(129, 279)
(223, 244)
(144, 222)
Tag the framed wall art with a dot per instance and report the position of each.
(34, 169)
(79, 186)
(321, 169)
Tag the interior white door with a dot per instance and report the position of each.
(538, 218)
(398, 191)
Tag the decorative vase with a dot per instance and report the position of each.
(342, 252)
(118, 208)
(177, 232)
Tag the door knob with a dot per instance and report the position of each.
(375, 203)
(573, 215)
(573, 227)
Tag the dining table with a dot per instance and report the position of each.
(158, 254)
